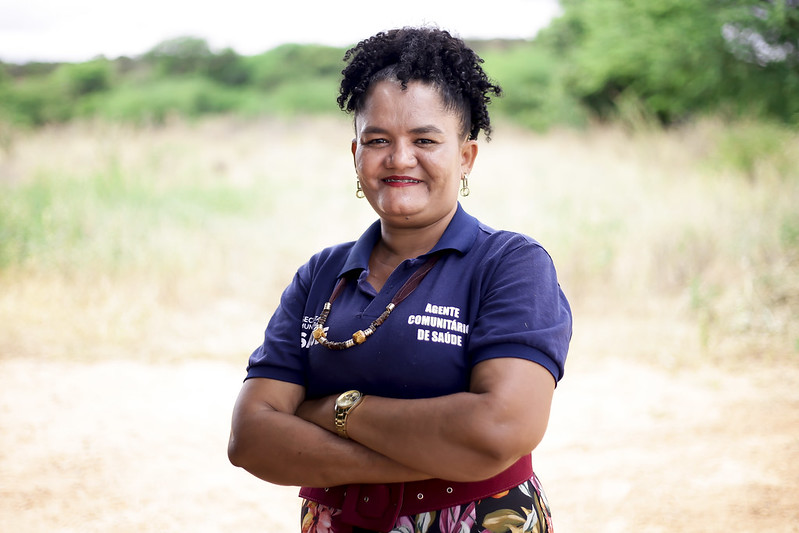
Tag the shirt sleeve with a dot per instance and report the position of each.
(522, 310)
(281, 354)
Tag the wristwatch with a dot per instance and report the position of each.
(345, 403)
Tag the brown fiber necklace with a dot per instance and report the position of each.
(362, 334)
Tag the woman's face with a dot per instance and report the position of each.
(410, 155)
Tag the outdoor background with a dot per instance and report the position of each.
(154, 206)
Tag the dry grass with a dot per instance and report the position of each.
(197, 227)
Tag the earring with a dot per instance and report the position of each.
(358, 191)
(465, 185)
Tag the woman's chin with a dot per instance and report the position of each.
(399, 209)
(402, 215)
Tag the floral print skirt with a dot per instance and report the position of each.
(521, 509)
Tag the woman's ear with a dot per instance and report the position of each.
(468, 155)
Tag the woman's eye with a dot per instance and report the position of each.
(376, 141)
(425, 141)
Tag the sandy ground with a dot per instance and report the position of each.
(123, 446)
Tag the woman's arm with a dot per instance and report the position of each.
(466, 436)
(270, 442)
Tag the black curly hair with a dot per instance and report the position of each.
(429, 55)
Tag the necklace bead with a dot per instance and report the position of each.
(360, 336)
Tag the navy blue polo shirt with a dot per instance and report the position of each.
(491, 294)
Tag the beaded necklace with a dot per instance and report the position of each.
(361, 335)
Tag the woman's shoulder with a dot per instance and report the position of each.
(503, 241)
(330, 256)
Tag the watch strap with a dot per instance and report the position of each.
(341, 417)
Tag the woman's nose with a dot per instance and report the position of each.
(402, 156)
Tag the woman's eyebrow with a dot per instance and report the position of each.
(373, 129)
(430, 128)
(426, 129)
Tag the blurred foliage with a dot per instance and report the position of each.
(679, 58)
(81, 79)
(528, 74)
(184, 55)
(180, 76)
(638, 62)
(291, 63)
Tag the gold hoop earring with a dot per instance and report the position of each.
(358, 191)
(465, 185)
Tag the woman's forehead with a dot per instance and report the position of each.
(414, 93)
(419, 106)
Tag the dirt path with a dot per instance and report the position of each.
(130, 447)
(633, 449)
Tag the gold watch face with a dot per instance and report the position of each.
(348, 399)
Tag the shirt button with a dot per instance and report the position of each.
(420, 496)
(366, 499)
(449, 490)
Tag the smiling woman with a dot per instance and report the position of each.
(429, 413)
(410, 157)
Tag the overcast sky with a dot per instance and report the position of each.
(78, 30)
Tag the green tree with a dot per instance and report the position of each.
(293, 63)
(769, 35)
(80, 79)
(228, 67)
(766, 39)
(182, 55)
(679, 57)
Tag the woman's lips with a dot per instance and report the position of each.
(400, 181)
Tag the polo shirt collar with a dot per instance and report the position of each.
(460, 234)
(459, 237)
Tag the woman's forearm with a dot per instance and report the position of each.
(462, 437)
(449, 437)
(284, 449)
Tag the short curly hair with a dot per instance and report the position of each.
(428, 55)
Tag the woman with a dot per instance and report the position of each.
(424, 418)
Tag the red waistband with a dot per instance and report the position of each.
(377, 506)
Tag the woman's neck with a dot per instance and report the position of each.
(403, 243)
(398, 244)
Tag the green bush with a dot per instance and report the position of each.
(300, 97)
(182, 55)
(228, 68)
(157, 100)
(292, 63)
(35, 101)
(680, 58)
(80, 79)
(531, 80)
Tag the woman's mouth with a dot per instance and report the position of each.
(400, 181)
